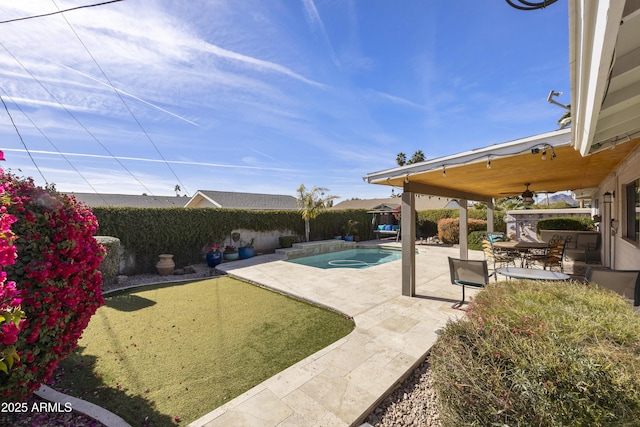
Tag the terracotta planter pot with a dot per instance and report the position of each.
(166, 265)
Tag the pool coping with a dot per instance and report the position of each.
(342, 383)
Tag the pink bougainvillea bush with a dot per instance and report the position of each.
(11, 314)
(56, 278)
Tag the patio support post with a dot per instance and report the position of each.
(464, 229)
(490, 220)
(605, 229)
(408, 233)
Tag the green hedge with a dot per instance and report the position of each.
(566, 223)
(111, 261)
(185, 232)
(328, 222)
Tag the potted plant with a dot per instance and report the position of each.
(230, 252)
(349, 230)
(337, 235)
(213, 256)
(246, 250)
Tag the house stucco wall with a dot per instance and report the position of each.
(625, 253)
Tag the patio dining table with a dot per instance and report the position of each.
(532, 274)
(522, 246)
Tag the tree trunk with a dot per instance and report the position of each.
(306, 230)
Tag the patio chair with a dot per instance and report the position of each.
(586, 243)
(623, 282)
(466, 272)
(499, 259)
(555, 254)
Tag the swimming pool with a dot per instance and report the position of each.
(351, 258)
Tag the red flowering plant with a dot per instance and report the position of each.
(11, 314)
(213, 249)
(56, 278)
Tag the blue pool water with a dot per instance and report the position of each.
(351, 258)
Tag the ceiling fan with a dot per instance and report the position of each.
(527, 195)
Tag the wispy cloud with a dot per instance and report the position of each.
(141, 159)
(316, 24)
(397, 99)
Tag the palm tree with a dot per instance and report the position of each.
(417, 157)
(311, 203)
(401, 159)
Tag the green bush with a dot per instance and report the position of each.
(328, 222)
(566, 223)
(475, 239)
(540, 354)
(111, 261)
(449, 228)
(184, 232)
(288, 241)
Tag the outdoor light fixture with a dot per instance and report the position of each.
(406, 179)
(444, 171)
(489, 163)
(527, 196)
(545, 147)
(607, 197)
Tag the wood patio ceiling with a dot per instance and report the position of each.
(508, 175)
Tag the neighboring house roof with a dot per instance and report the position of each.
(234, 200)
(130, 200)
(423, 203)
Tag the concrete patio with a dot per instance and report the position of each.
(341, 384)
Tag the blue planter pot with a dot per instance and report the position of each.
(348, 238)
(245, 252)
(214, 259)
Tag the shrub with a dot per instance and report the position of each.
(449, 228)
(427, 221)
(540, 353)
(475, 239)
(288, 241)
(566, 223)
(57, 278)
(11, 313)
(110, 264)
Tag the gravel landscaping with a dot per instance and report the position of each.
(413, 403)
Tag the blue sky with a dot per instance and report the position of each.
(262, 96)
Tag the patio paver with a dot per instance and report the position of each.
(340, 384)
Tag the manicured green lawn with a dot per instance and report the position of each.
(182, 350)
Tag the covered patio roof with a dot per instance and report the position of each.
(604, 46)
(502, 170)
